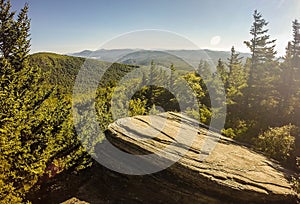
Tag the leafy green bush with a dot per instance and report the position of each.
(278, 142)
(240, 128)
(137, 107)
(296, 183)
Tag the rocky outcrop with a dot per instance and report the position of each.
(74, 201)
(230, 173)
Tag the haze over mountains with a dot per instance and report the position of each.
(164, 57)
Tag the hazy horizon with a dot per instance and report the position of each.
(73, 26)
(150, 49)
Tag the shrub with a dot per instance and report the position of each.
(278, 142)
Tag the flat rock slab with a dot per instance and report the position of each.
(210, 168)
(74, 201)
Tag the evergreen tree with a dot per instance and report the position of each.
(237, 78)
(235, 125)
(233, 60)
(7, 29)
(152, 78)
(36, 129)
(206, 76)
(14, 39)
(21, 48)
(261, 47)
(295, 68)
(218, 85)
(222, 72)
(261, 97)
(288, 85)
(295, 44)
(172, 78)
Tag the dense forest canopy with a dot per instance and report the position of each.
(37, 138)
(37, 135)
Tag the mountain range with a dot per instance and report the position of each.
(182, 59)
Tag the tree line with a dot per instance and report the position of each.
(262, 93)
(37, 135)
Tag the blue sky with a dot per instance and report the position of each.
(71, 25)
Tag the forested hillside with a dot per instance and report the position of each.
(165, 57)
(38, 139)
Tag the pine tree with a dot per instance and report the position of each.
(204, 70)
(295, 68)
(261, 47)
(21, 48)
(288, 85)
(36, 128)
(260, 97)
(237, 78)
(152, 74)
(7, 29)
(172, 78)
(263, 67)
(222, 72)
(235, 87)
(152, 94)
(233, 60)
(295, 44)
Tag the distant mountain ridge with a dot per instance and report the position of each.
(180, 58)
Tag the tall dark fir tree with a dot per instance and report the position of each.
(262, 48)
(260, 99)
(295, 44)
(36, 127)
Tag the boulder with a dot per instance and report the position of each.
(74, 201)
(210, 168)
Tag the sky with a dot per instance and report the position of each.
(67, 26)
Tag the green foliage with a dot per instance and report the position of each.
(203, 115)
(260, 93)
(237, 79)
(36, 127)
(262, 51)
(62, 69)
(296, 183)
(36, 124)
(261, 47)
(237, 130)
(222, 72)
(278, 142)
(137, 107)
(295, 44)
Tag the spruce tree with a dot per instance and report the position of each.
(261, 47)
(36, 129)
(21, 48)
(7, 29)
(205, 72)
(222, 72)
(260, 96)
(152, 79)
(233, 60)
(237, 78)
(235, 87)
(288, 85)
(172, 78)
(295, 44)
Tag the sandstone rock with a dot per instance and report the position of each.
(231, 172)
(74, 201)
